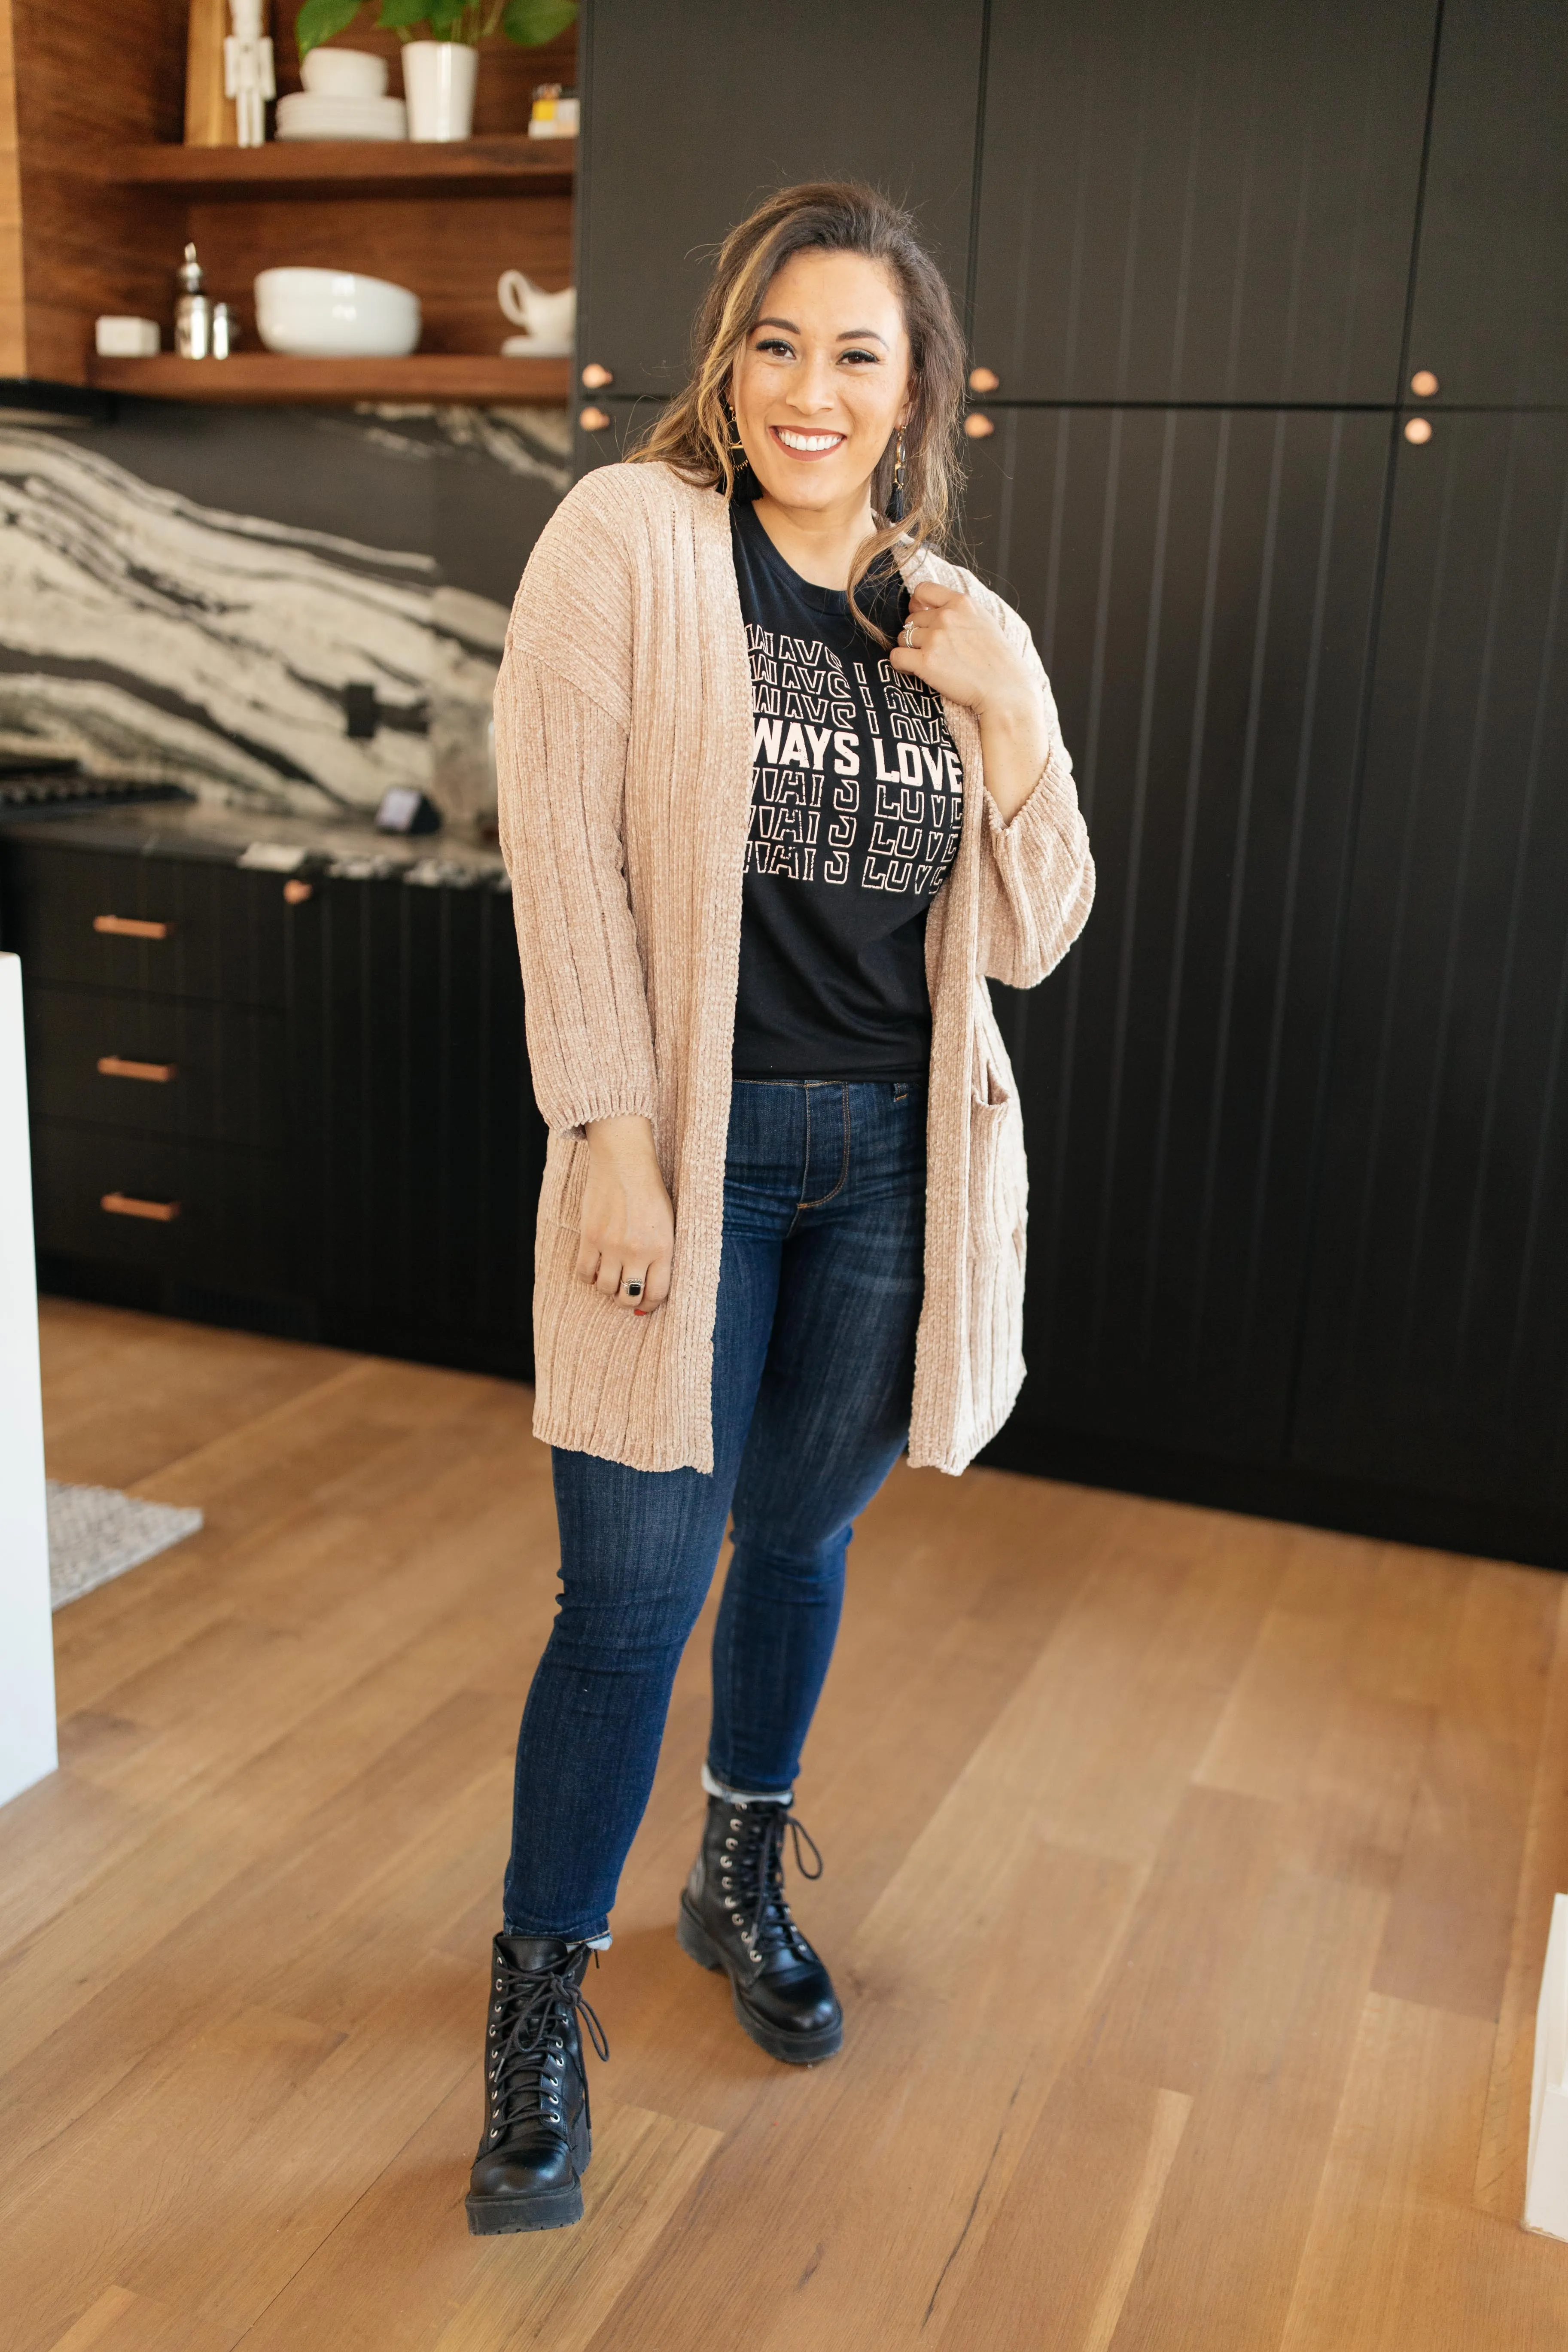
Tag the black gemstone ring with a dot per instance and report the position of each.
(634, 1290)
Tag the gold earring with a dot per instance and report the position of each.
(896, 496)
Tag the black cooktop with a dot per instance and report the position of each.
(56, 787)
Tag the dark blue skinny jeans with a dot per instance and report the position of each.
(819, 1293)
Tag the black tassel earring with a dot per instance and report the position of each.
(745, 489)
(896, 495)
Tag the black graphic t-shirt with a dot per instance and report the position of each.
(857, 796)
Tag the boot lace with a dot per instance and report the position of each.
(761, 1906)
(529, 2047)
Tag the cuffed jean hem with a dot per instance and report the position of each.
(717, 1786)
(596, 1935)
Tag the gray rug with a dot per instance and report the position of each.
(96, 1533)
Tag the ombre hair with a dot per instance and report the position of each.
(694, 433)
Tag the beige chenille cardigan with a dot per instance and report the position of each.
(624, 753)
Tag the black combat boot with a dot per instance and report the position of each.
(734, 1917)
(536, 2145)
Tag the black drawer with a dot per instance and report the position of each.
(158, 1065)
(197, 1212)
(159, 926)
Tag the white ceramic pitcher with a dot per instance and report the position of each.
(548, 321)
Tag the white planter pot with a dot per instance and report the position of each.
(438, 83)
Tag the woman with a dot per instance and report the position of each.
(779, 787)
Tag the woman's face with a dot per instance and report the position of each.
(822, 380)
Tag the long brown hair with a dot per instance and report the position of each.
(831, 216)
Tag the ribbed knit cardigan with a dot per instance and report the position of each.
(624, 758)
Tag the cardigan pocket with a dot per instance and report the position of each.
(998, 1174)
(565, 1174)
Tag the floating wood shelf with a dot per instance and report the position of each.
(102, 196)
(306, 166)
(260, 378)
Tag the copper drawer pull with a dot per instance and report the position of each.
(158, 1073)
(124, 1204)
(131, 927)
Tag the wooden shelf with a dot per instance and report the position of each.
(103, 195)
(260, 378)
(304, 166)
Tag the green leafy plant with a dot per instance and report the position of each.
(529, 22)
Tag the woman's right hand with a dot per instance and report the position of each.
(626, 1230)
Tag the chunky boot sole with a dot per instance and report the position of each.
(545, 2209)
(794, 2049)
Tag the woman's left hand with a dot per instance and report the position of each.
(961, 652)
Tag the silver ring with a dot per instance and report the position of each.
(906, 635)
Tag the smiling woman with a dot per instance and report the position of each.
(779, 788)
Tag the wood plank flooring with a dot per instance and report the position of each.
(1188, 1880)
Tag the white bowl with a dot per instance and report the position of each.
(344, 73)
(335, 314)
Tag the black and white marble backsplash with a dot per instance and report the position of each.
(185, 594)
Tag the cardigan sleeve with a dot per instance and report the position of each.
(560, 709)
(1036, 874)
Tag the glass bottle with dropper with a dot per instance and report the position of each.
(193, 310)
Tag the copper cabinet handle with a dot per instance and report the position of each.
(593, 420)
(978, 427)
(158, 1073)
(131, 927)
(984, 379)
(597, 375)
(125, 1205)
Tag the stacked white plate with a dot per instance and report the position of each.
(345, 97)
(307, 114)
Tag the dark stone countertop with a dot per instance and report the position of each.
(345, 846)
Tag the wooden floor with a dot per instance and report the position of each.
(1187, 1889)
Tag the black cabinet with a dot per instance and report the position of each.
(1202, 586)
(692, 112)
(1296, 1103)
(167, 927)
(1437, 1353)
(421, 1149)
(1491, 322)
(166, 1223)
(298, 1107)
(1199, 200)
(158, 1065)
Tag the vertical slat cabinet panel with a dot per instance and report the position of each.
(426, 1147)
(1437, 1349)
(1187, 200)
(1201, 586)
(692, 112)
(1490, 319)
